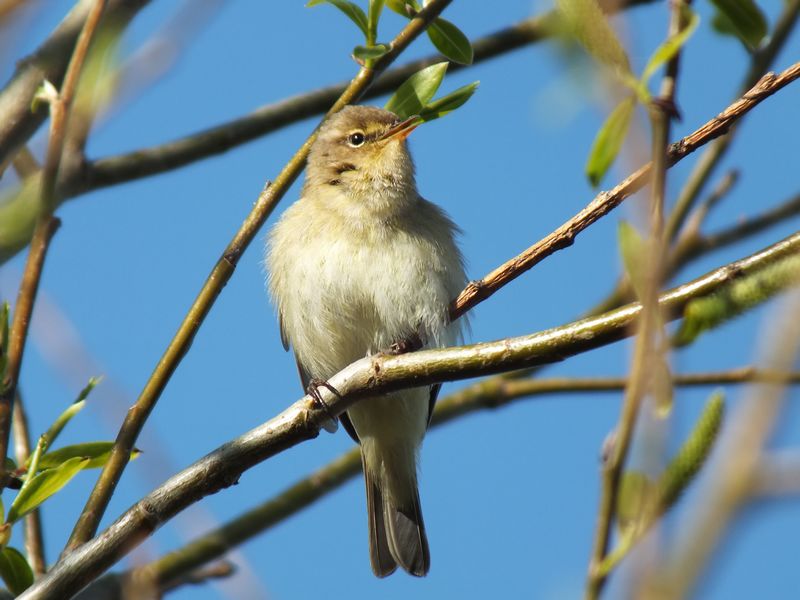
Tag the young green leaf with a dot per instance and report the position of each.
(96, 452)
(42, 486)
(15, 571)
(399, 6)
(633, 252)
(634, 497)
(354, 12)
(375, 9)
(668, 49)
(663, 390)
(742, 19)
(450, 102)
(416, 91)
(370, 52)
(586, 21)
(73, 409)
(692, 455)
(450, 41)
(609, 140)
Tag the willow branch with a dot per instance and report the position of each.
(96, 505)
(49, 62)
(605, 202)
(368, 377)
(46, 223)
(489, 394)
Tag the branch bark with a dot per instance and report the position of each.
(367, 377)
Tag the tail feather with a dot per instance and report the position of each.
(396, 535)
(380, 555)
(407, 540)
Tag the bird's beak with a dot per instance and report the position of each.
(402, 129)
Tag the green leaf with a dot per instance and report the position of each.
(663, 391)
(586, 21)
(635, 495)
(416, 91)
(15, 571)
(668, 49)
(450, 41)
(688, 461)
(354, 12)
(375, 9)
(96, 452)
(370, 52)
(399, 6)
(73, 409)
(633, 252)
(742, 19)
(42, 486)
(609, 140)
(450, 102)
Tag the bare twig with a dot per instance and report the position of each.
(605, 202)
(34, 536)
(46, 223)
(708, 162)
(367, 377)
(88, 521)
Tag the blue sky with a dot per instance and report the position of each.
(509, 496)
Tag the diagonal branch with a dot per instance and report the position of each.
(367, 377)
(98, 501)
(605, 202)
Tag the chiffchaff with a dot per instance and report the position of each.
(359, 263)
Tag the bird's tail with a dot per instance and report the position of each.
(396, 530)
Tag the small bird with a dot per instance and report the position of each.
(359, 263)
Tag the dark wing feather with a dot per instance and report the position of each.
(432, 402)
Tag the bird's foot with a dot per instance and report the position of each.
(331, 424)
(409, 344)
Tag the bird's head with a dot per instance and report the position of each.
(360, 156)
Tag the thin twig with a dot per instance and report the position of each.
(34, 536)
(303, 493)
(708, 162)
(605, 202)
(96, 505)
(368, 377)
(48, 62)
(649, 347)
(46, 223)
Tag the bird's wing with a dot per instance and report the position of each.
(305, 379)
(432, 402)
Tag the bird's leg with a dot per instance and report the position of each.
(331, 424)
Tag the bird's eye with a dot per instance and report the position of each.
(355, 139)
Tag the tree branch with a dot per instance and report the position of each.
(605, 202)
(145, 162)
(96, 505)
(489, 394)
(367, 377)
